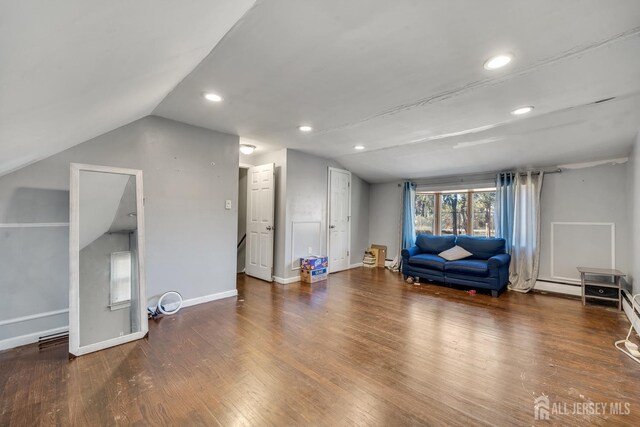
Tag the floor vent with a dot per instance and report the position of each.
(53, 340)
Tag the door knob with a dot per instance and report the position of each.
(332, 226)
(269, 228)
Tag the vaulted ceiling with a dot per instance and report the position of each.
(72, 70)
(404, 78)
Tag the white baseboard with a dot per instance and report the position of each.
(558, 288)
(208, 298)
(356, 265)
(631, 315)
(283, 281)
(29, 338)
(34, 336)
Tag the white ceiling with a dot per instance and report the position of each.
(396, 76)
(72, 70)
(392, 75)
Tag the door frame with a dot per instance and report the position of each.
(245, 166)
(328, 219)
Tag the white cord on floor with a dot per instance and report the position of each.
(630, 348)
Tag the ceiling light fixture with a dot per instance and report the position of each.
(213, 97)
(522, 110)
(359, 147)
(247, 149)
(497, 61)
(305, 128)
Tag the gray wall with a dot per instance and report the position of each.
(301, 197)
(97, 321)
(360, 200)
(585, 195)
(306, 202)
(190, 237)
(242, 217)
(634, 215)
(385, 212)
(595, 194)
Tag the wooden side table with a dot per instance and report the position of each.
(594, 289)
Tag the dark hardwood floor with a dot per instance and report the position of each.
(362, 349)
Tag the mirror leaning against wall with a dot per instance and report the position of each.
(106, 258)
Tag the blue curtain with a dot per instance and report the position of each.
(505, 206)
(409, 215)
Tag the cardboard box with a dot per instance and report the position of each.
(382, 254)
(314, 263)
(313, 276)
(313, 268)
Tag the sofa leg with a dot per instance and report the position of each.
(494, 294)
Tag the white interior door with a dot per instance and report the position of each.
(260, 224)
(339, 215)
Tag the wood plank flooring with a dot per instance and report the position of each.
(362, 349)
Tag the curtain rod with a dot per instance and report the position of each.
(546, 172)
(472, 178)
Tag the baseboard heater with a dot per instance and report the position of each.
(559, 282)
(632, 312)
(559, 287)
(53, 340)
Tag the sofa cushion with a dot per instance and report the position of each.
(431, 261)
(482, 247)
(434, 244)
(473, 267)
(455, 253)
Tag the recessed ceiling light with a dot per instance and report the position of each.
(213, 97)
(359, 147)
(498, 61)
(247, 149)
(305, 128)
(522, 110)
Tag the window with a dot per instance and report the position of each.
(425, 213)
(454, 213)
(463, 212)
(484, 203)
(120, 295)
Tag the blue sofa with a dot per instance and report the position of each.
(487, 268)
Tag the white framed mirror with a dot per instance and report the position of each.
(107, 302)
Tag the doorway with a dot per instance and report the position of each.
(242, 219)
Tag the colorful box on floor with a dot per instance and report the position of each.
(313, 276)
(314, 263)
(313, 269)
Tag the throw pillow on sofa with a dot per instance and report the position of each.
(455, 253)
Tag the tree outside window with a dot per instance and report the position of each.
(454, 215)
(483, 209)
(425, 213)
(465, 212)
